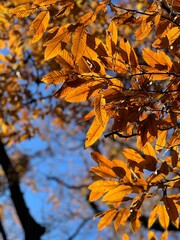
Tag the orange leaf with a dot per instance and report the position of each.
(55, 77)
(153, 215)
(117, 194)
(161, 141)
(158, 60)
(44, 2)
(95, 131)
(83, 92)
(94, 195)
(23, 10)
(79, 43)
(103, 185)
(103, 171)
(107, 218)
(121, 218)
(163, 216)
(40, 24)
(148, 150)
(100, 112)
(100, 159)
(132, 155)
(125, 237)
(151, 236)
(164, 236)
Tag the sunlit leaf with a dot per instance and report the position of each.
(79, 43)
(132, 155)
(163, 216)
(95, 131)
(106, 219)
(121, 218)
(55, 77)
(23, 10)
(39, 25)
(117, 194)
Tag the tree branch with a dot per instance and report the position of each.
(119, 135)
(32, 230)
(2, 231)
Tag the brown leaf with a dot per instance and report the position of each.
(170, 208)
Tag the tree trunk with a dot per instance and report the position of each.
(32, 230)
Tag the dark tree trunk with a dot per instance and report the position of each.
(2, 231)
(32, 230)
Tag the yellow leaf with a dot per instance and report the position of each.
(87, 18)
(121, 218)
(125, 50)
(144, 29)
(64, 59)
(95, 131)
(164, 236)
(103, 185)
(103, 171)
(53, 46)
(40, 24)
(107, 218)
(148, 150)
(83, 92)
(79, 43)
(94, 195)
(111, 38)
(23, 10)
(161, 140)
(100, 112)
(117, 194)
(44, 2)
(158, 60)
(153, 215)
(163, 216)
(125, 237)
(100, 159)
(151, 236)
(55, 77)
(132, 155)
(52, 50)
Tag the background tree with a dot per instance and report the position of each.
(119, 62)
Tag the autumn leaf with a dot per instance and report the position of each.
(121, 218)
(103, 185)
(79, 43)
(106, 219)
(94, 132)
(132, 155)
(158, 60)
(23, 10)
(44, 2)
(161, 141)
(39, 25)
(163, 216)
(117, 194)
(153, 216)
(170, 208)
(55, 77)
(101, 160)
(100, 112)
(103, 172)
